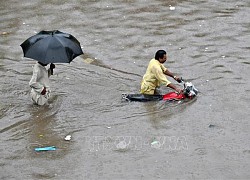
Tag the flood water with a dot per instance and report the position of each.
(208, 43)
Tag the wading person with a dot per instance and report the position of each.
(39, 83)
(155, 75)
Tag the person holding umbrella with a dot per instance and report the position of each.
(48, 47)
(39, 83)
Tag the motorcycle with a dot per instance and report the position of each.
(188, 92)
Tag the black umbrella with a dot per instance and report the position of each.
(52, 47)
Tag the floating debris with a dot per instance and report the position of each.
(121, 145)
(67, 138)
(172, 8)
(211, 125)
(156, 144)
(88, 60)
(4, 33)
(47, 148)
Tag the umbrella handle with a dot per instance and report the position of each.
(52, 66)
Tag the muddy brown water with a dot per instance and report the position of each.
(207, 43)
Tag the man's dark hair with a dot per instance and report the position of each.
(159, 54)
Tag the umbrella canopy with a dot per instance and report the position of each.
(52, 47)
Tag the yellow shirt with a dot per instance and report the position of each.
(154, 77)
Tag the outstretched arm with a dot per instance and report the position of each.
(168, 73)
(164, 81)
(174, 88)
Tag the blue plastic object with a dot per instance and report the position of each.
(48, 148)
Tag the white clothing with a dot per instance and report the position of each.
(39, 80)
